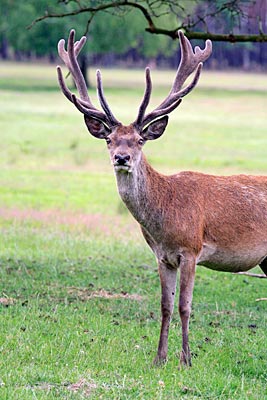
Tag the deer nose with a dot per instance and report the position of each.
(121, 159)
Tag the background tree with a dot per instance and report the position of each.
(136, 30)
(110, 35)
(193, 16)
(234, 21)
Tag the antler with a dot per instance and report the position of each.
(84, 103)
(191, 60)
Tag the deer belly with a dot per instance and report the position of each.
(231, 260)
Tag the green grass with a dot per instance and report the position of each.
(55, 335)
(80, 293)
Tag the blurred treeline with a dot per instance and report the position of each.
(120, 38)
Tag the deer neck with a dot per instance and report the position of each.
(136, 190)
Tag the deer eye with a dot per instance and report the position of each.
(141, 141)
(108, 140)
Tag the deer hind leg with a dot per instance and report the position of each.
(168, 277)
(187, 277)
(263, 265)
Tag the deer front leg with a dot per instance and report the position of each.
(168, 278)
(187, 277)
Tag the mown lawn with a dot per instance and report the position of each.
(80, 295)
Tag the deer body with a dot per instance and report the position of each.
(189, 218)
(228, 216)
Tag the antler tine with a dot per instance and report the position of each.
(173, 96)
(79, 45)
(75, 68)
(191, 60)
(69, 57)
(145, 101)
(162, 111)
(113, 121)
(83, 104)
(97, 114)
(173, 100)
(62, 84)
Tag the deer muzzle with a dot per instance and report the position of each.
(121, 162)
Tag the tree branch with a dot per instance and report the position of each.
(149, 16)
(102, 7)
(232, 38)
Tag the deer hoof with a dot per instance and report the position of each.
(185, 360)
(159, 361)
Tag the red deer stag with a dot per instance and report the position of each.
(189, 218)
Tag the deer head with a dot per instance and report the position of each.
(125, 142)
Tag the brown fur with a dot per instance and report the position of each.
(191, 218)
(188, 218)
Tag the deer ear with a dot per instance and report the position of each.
(155, 129)
(96, 127)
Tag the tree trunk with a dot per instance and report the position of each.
(4, 48)
(83, 65)
(246, 58)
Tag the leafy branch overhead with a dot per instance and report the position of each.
(219, 20)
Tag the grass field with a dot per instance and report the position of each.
(80, 295)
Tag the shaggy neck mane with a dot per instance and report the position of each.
(139, 190)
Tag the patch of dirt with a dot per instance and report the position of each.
(5, 301)
(83, 385)
(85, 294)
